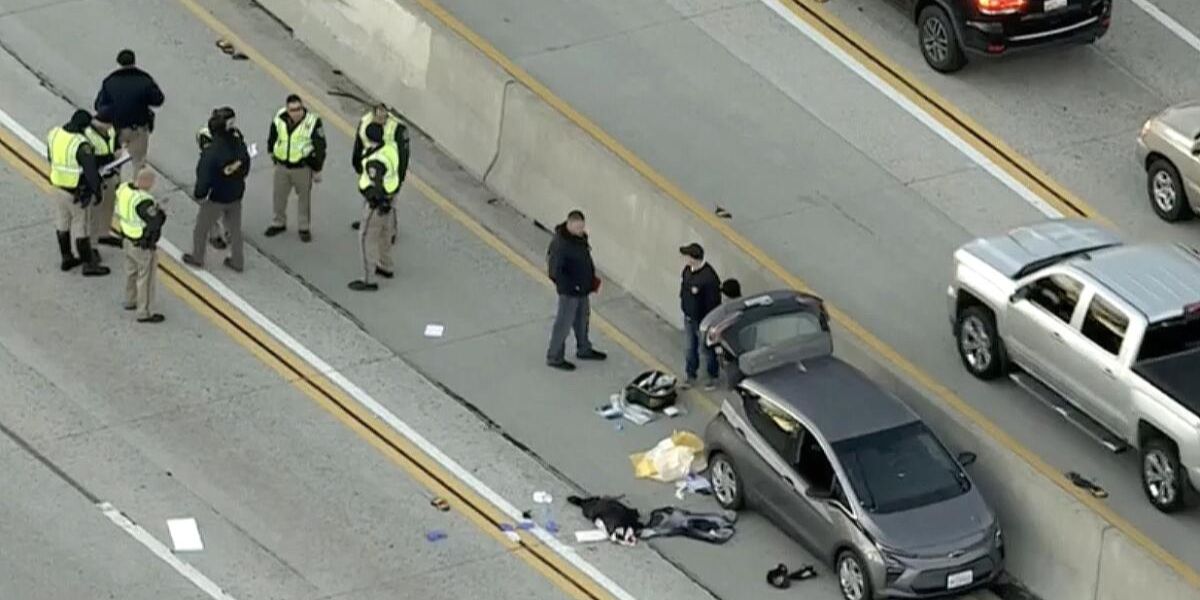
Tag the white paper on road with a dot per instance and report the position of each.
(252, 150)
(434, 330)
(185, 535)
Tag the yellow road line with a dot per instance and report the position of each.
(326, 394)
(1004, 156)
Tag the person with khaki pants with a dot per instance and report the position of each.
(103, 137)
(141, 224)
(127, 95)
(378, 182)
(297, 142)
(74, 172)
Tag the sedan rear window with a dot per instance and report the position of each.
(900, 469)
(776, 330)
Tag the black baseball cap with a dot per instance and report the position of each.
(692, 250)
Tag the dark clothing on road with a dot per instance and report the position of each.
(314, 161)
(699, 291)
(570, 263)
(219, 177)
(128, 94)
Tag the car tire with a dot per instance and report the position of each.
(978, 342)
(854, 580)
(1164, 479)
(1167, 195)
(726, 482)
(939, 41)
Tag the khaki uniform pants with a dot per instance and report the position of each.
(70, 216)
(231, 216)
(101, 216)
(286, 180)
(375, 240)
(137, 141)
(140, 265)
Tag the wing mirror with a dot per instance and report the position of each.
(1018, 295)
(967, 458)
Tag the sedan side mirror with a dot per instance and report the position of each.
(1018, 295)
(966, 458)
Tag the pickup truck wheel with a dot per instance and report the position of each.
(1163, 477)
(1167, 195)
(726, 484)
(939, 41)
(979, 343)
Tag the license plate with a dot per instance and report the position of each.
(957, 580)
(1054, 5)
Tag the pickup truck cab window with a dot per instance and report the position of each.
(1057, 293)
(1105, 325)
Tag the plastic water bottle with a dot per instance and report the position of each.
(544, 511)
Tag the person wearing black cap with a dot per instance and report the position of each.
(128, 94)
(699, 293)
(103, 137)
(74, 171)
(394, 131)
(574, 275)
(378, 182)
(220, 185)
(219, 237)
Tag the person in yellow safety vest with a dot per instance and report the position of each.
(297, 143)
(73, 170)
(103, 137)
(378, 182)
(394, 131)
(219, 238)
(141, 221)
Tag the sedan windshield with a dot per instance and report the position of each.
(900, 469)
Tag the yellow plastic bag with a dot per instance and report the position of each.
(670, 459)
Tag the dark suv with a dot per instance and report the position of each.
(949, 29)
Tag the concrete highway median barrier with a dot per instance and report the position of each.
(544, 164)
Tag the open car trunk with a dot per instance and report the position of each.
(758, 333)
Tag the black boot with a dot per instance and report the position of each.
(91, 266)
(64, 247)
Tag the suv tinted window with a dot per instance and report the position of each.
(1058, 294)
(778, 428)
(814, 466)
(900, 469)
(1105, 324)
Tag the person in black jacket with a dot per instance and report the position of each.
(574, 275)
(699, 293)
(128, 94)
(219, 238)
(220, 184)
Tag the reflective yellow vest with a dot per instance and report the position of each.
(390, 157)
(389, 128)
(297, 146)
(104, 146)
(65, 170)
(128, 199)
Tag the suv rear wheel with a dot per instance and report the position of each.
(979, 344)
(1163, 477)
(939, 42)
(1165, 188)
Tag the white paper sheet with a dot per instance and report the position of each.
(252, 150)
(122, 158)
(434, 330)
(185, 535)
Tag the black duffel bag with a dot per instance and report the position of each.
(652, 389)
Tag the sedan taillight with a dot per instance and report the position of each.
(1002, 7)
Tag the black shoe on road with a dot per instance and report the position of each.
(385, 274)
(154, 318)
(274, 230)
(562, 365)
(359, 285)
(229, 263)
(355, 225)
(591, 355)
(95, 270)
(305, 236)
(191, 260)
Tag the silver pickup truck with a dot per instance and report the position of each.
(1106, 333)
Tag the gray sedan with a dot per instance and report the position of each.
(1169, 149)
